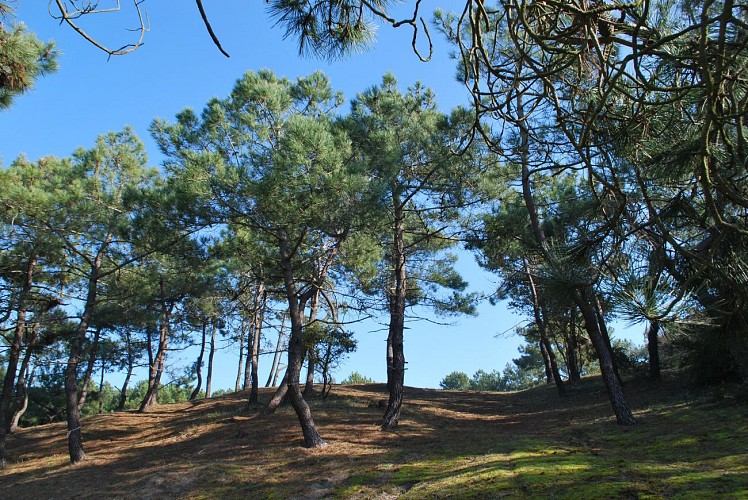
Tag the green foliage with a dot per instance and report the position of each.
(455, 381)
(356, 378)
(23, 59)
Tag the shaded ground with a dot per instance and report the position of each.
(448, 444)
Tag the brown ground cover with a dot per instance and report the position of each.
(448, 444)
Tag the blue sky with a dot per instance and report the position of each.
(179, 67)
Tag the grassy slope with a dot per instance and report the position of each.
(464, 444)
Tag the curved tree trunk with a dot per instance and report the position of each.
(199, 363)
(130, 366)
(211, 354)
(278, 397)
(23, 395)
(296, 304)
(6, 396)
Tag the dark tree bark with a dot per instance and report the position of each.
(6, 397)
(258, 318)
(585, 298)
(395, 353)
(653, 342)
(199, 363)
(89, 368)
(240, 369)
(157, 368)
(75, 440)
(610, 377)
(310, 352)
(101, 387)
(23, 395)
(273, 375)
(606, 336)
(130, 366)
(278, 396)
(544, 343)
(211, 354)
(572, 349)
(296, 305)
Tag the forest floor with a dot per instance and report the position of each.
(691, 444)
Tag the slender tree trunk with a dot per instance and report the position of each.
(278, 397)
(584, 298)
(606, 336)
(546, 363)
(395, 353)
(572, 349)
(273, 375)
(240, 369)
(23, 394)
(653, 340)
(258, 319)
(310, 351)
(211, 354)
(75, 440)
(310, 367)
(248, 366)
(612, 382)
(6, 397)
(89, 368)
(151, 396)
(546, 345)
(130, 366)
(199, 363)
(296, 305)
(24, 381)
(101, 387)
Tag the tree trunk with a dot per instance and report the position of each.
(395, 353)
(584, 298)
(75, 440)
(101, 387)
(6, 397)
(130, 365)
(273, 375)
(544, 343)
(606, 336)
(24, 381)
(310, 348)
(239, 370)
(572, 349)
(296, 304)
(154, 378)
(258, 318)
(211, 354)
(89, 368)
(199, 363)
(612, 382)
(278, 397)
(23, 395)
(653, 330)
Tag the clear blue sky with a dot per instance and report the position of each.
(180, 67)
